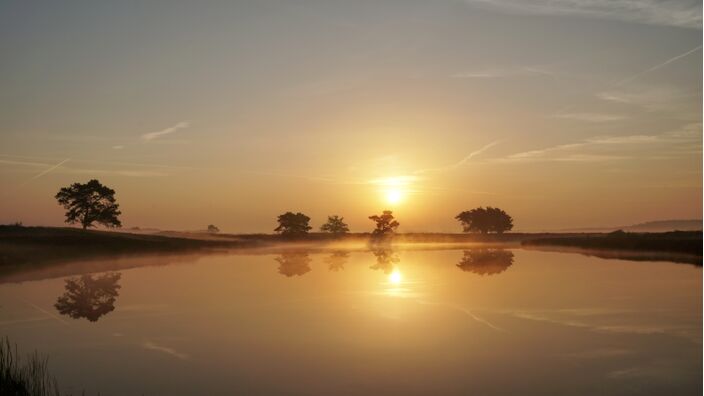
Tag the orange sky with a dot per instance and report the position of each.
(232, 114)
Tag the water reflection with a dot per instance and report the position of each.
(486, 261)
(89, 296)
(294, 263)
(336, 261)
(385, 259)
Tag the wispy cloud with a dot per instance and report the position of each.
(504, 72)
(461, 162)
(118, 147)
(686, 13)
(47, 171)
(657, 67)
(590, 117)
(155, 135)
(608, 148)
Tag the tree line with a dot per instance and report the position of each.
(93, 203)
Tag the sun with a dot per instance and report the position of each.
(394, 196)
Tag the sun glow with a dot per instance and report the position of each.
(395, 277)
(394, 189)
(394, 196)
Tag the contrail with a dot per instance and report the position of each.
(656, 67)
(462, 161)
(46, 171)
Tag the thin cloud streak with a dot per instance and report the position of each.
(653, 12)
(682, 136)
(155, 135)
(37, 176)
(461, 162)
(656, 67)
(590, 117)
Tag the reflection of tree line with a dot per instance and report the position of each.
(478, 261)
(93, 296)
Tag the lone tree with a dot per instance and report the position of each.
(293, 224)
(485, 220)
(212, 229)
(385, 224)
(335, 225)
(89, 203)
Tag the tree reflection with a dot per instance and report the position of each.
(294, 263)
(385, 258)
(336, 261)
(89, 296)
(486, 261)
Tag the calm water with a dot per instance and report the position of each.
(486, 322)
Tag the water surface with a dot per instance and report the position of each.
(455, 321)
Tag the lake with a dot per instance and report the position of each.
(337, 322)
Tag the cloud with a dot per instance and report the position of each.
(116, 168)
(610, 148)
(656, 67)
(47, 171)
(461, 162)
(590, 117)
(118, 147)
(686, 13)
(505, 72)
(155, 135)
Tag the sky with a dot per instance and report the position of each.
(566, 114)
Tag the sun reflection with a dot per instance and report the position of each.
(395, 277)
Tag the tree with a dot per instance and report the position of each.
(213, 229)
(89, 203)
(335, 225)
(485, 220)
(385, 224)
(89, 296)
(293, 224)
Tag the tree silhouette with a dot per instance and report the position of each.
(486, 261)
(385, 258)
(89, 297)
(385, 224)
(485, 220)
(293, 263)
(89, 203)
(337, 260)
(213, 229)
(293, 224)
(335, 225)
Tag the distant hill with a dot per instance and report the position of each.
(648, 226)
(666, 225)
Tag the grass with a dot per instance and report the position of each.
(28, 377)
(687, 243)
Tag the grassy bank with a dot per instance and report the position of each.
(676, 244)
(22, 247)
(25, 377)
(33, 245)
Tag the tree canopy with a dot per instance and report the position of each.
(485, 220)
(293, 224)
(335, 225)
(385, 224)
(213, 229)
(89, 203)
